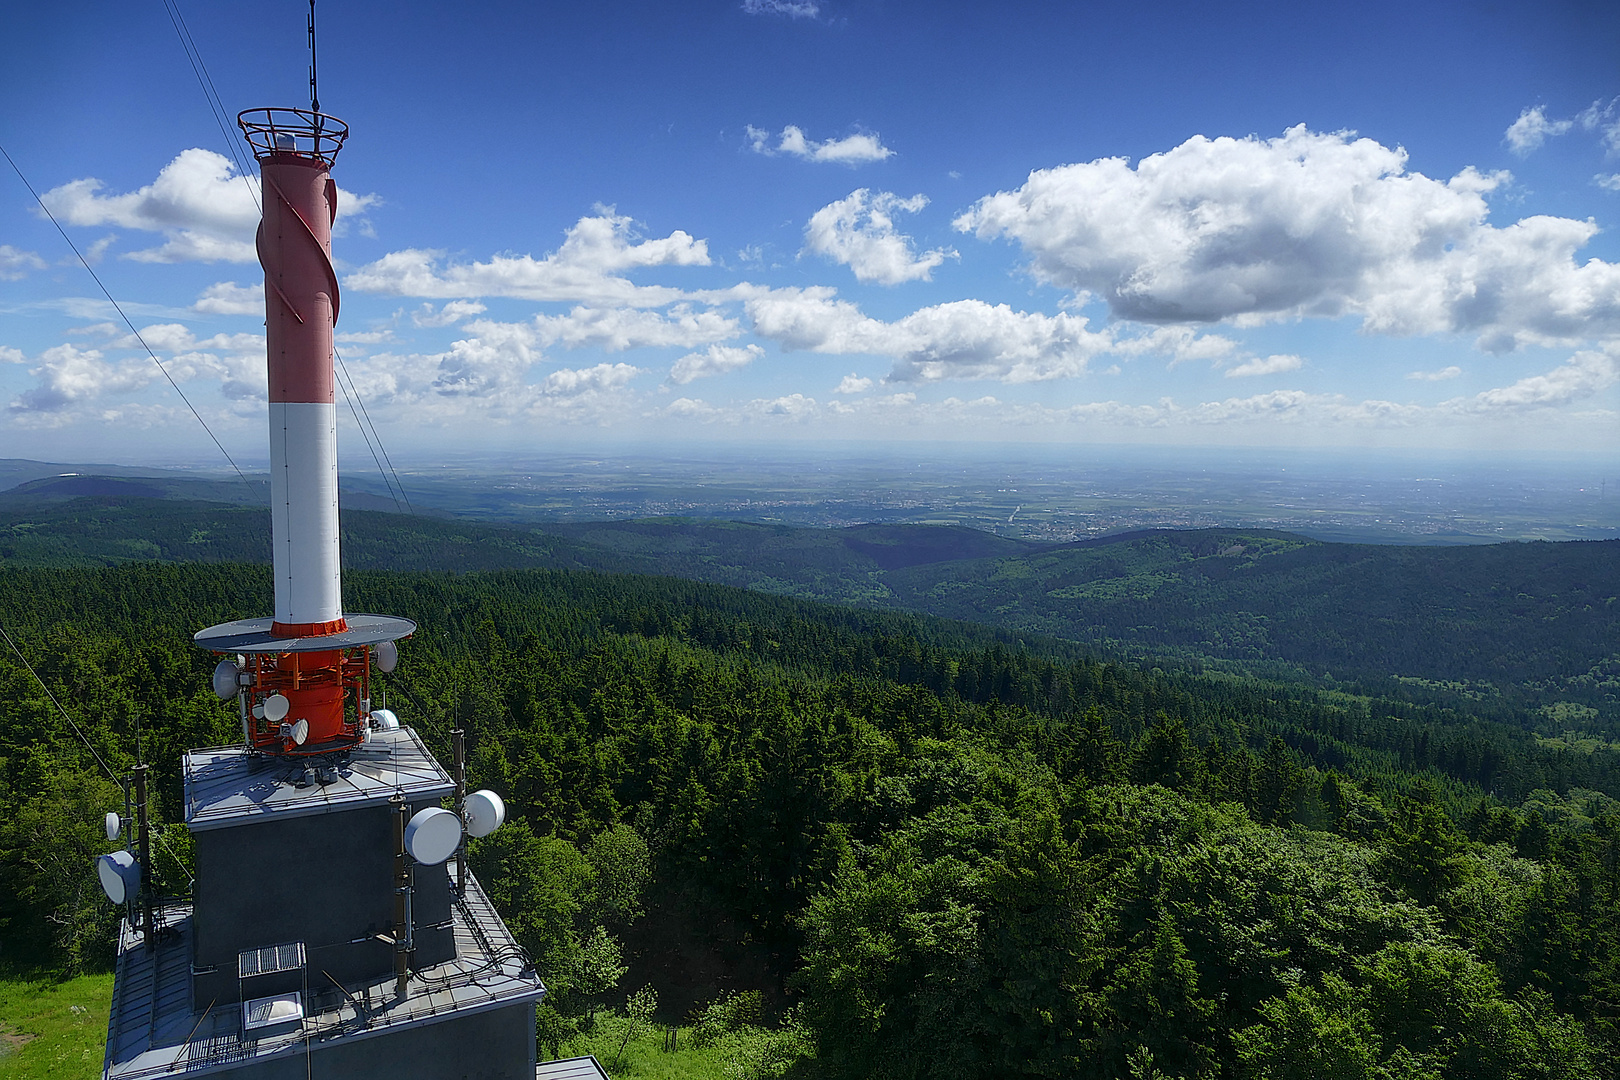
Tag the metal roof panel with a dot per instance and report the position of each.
(232, 785)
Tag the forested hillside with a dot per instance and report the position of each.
(935, 849)
(1529, 633)
(1520, 625)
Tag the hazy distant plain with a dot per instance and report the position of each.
(1042, 494)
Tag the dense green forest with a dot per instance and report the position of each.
(1526, 633)
(929, 849)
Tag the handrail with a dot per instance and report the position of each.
(299, 132)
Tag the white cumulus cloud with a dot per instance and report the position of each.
(715, 360)
(584, 270)
(1278, 405)
(1180, 343)
(582, 380)
(858, 231)
(792, 9)
(853, 384)
(1583, 375)
(1531, 129)
(14, 262)
(787, 407)
(1440, 375)
(490, 362)
(962, 339)
(617, 329)
(489, 376)
(1306, 224)
(1603, 117)
(1265, 365)
(365, 337)
(689, 409)
(177, 338)
(858, 149)
(67, 376)
(70, 380)
(229, 298)
(450, 314)
(203, 208)
(236, 360)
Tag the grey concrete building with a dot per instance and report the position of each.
(283, 963)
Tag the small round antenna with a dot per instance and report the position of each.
(275, 708)
(115, 825)
(386, 656)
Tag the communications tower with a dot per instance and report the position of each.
(326, 934)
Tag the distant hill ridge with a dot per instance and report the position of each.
(1518, 625)
(62, 487)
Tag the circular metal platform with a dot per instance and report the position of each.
(253, 635)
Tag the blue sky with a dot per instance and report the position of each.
(572, 225)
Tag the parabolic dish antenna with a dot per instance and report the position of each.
(299, 732)
(387, 656)
(432, 835)
(225, 684)
(275, 708)
(484, 812)
(120, 875)
(115, 825)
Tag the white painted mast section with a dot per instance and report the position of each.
(304, 512)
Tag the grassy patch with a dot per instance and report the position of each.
(53, 1029)
(58, 1030)
(750, 1053)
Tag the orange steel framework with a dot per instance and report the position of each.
(329, 689)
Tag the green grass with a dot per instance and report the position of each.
(59, 1030)
(53, 1029)
(739, 1055)
(645, 1057)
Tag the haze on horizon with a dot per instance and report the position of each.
(805, 223)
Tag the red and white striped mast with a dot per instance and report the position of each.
(302, 301)
(306, 672)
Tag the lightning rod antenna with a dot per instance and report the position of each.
(314, 93)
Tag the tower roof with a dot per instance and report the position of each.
(232, 785)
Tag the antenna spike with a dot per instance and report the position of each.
(314, 92)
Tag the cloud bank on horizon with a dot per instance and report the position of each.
(1316, 272)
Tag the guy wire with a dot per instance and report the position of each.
(375, 434)
(210, 93)
(88, 745)
(348, 397)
